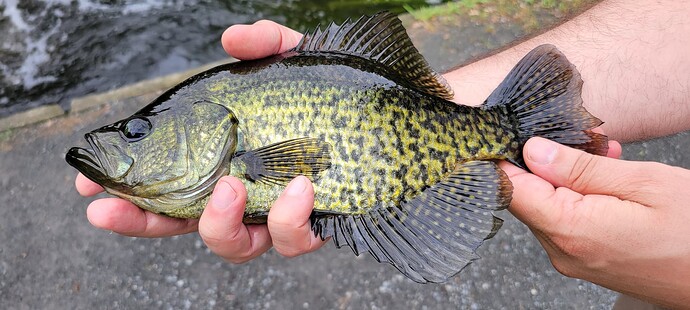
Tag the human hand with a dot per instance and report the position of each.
(220, 226)
(619, 224)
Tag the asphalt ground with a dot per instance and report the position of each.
(52, 258)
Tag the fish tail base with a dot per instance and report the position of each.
(541, 96)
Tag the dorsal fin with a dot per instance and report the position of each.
(381, 38)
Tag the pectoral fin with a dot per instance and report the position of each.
(280, 162)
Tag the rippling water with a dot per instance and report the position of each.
(55, 50)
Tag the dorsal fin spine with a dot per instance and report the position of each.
(390, 55)
(383, 51)
(337, 34)
(380, 38)
(357, 37)
(332, 35)
(366, 44)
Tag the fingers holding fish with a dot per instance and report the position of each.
(589, 174)
(615, 149)
(575, 223)
(123, 217)
(86, 187)
(261, 39)
(527, 190)
(531, 190)
(572, 227)
(221, 225)
(288, 220)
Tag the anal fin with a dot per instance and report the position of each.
(435, 235)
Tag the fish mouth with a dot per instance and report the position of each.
(87, 161)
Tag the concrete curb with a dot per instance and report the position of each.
(32, 116)
(44, 113)
(140, 88)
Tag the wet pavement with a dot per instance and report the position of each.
(52, 258)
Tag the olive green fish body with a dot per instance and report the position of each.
(399, 171)
(388, 141)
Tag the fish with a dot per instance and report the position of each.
(399, 170)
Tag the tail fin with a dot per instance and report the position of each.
(542, 96)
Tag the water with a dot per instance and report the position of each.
(53, 51)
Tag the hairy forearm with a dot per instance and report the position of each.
(632, 56)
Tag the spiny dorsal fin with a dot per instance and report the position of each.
(435, 235)
(280, 162)
(381, 38)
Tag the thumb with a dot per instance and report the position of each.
(585, 173)
(263, 38)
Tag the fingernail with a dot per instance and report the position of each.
(541, 151)
(223, 195)
(296, 186)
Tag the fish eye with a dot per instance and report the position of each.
(136, 129)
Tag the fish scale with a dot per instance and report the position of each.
(370, 122)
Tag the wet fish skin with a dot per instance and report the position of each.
(388, 141)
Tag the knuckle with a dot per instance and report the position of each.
(213, 241)
(646, 175)
(282, 219)
(239, 259)
(570, 242)
(228, 248)
(640, 181)
(288, 238)
(581, 174)
(281, 225)
(564, 256)
(265, 22)
(293, 250)
(570, 247)
(578, 258)
(565, 267)
(278, 221)
(214, 238)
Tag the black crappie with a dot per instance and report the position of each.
(399, 171)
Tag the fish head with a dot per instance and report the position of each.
(161, 158)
